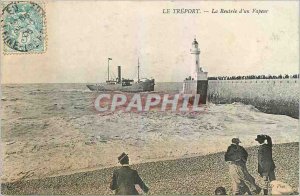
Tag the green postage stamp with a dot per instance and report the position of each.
(23, 27)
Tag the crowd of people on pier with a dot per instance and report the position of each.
(125, 179)
(249, 77)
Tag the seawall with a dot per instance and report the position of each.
(276, 96)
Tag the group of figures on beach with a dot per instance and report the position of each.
(124, 179)
(236, 157)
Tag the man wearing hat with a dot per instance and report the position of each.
(125, 178)
(266, 165)
(236, 156)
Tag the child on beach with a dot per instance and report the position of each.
(220, 191)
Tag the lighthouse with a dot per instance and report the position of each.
(196, 53)
(197, 82)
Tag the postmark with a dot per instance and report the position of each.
(23, 27)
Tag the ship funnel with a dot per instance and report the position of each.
(119, 75)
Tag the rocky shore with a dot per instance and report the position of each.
(196, 175)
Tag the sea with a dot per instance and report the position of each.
(54, 129)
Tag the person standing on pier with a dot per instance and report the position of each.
(125, 178)
(236, 156)
(266, 165)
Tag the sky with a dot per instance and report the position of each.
(81, 35)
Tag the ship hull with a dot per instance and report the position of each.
(135, 87)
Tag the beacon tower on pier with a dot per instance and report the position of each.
(197, 82)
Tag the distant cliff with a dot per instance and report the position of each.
(276, 96)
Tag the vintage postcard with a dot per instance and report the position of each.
(149, 97)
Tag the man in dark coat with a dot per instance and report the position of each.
(236, 157)
(125, 179)
(266, 165)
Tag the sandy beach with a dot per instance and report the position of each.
(196, 175)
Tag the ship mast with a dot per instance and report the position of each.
(138, 70)
(109, 59)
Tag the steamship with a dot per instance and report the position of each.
(125, 85)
